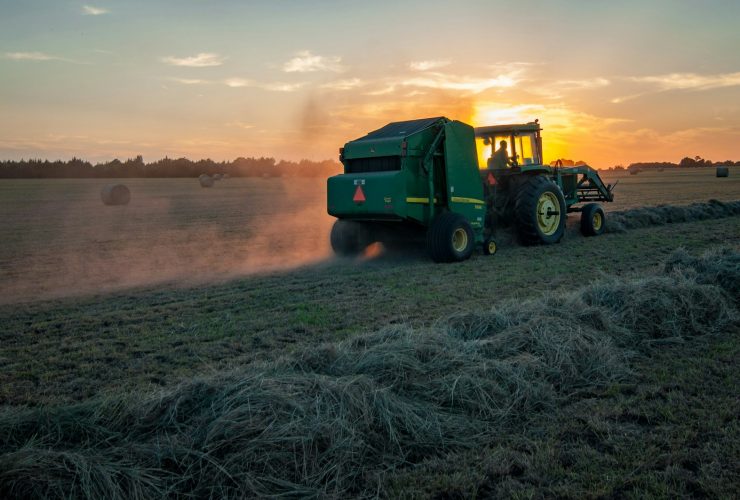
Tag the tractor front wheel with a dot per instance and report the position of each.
(348, 237)
(593, 220)
(540, 211)
(450, 238)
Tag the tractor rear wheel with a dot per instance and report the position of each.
(348, 237)
(450, 238)
(593, 220)
(540, 211)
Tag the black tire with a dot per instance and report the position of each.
(534, 228)
(593, 220)
(450, 238)
(489, 246)
(348, 237)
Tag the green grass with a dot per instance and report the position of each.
(71, 349)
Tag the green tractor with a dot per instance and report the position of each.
(422, 180)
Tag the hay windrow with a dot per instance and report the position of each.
(617, 222)
(332, 419)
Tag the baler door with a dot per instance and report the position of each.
(464, 187)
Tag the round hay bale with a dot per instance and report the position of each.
(723, 172)
(217, 177)
(206, 181)
(115, 194)
(634, 171)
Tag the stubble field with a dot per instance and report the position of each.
(102, 304)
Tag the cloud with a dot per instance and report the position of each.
(201, 60)
(38, 57)
(681, 81)
(586, 84)
(238, 82)
(388, 89)
(273, 87)
(305, 62)
(241, 125)
(281, 87)
(347, 84)
(556, 89)
(690, 81)
(31, 56)
(90, 10)
(191, 81)
(427, 65)
(470, 84)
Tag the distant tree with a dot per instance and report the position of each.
(688, 162)
(166, 167)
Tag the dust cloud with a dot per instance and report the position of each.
(64, 242)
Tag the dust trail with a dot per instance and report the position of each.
(67, 243)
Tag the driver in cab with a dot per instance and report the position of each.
(500, 158)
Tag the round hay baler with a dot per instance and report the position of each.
(115, 194)
(206, 181)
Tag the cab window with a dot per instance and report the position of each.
(486, 147)
(527, 150)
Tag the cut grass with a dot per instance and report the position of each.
(671, 431)
(68, 350)
(339, 419)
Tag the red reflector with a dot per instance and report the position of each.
(491, 179)
(359, 196)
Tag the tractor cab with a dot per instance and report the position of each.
(523, 145)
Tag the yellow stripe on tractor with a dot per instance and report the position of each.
(458, 199)
(420, 200)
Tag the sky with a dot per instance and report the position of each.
(612, 82)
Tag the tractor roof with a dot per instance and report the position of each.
(501, 129)
(398, 130)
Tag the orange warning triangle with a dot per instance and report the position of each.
(359, 196)
(491, 179)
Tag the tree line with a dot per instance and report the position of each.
(166, 167)
(240, 167)
(695, 162)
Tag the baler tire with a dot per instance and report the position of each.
(347, 238)
(489, 246)
(446, 231)
(593, 220)
(525, 211)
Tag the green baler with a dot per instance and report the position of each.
(392, 175)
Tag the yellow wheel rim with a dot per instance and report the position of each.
(459, 240)
(548, 213)
(597, 221)
(491, 247)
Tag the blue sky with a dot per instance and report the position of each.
(612, 82)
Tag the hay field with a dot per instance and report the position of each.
(596, 367)
(679, 187)
(59, 240)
